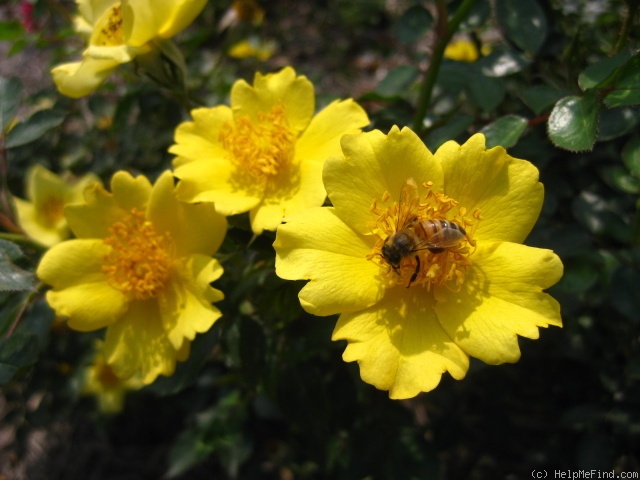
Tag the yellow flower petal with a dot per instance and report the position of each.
(194, 228)
(126, 193)
(505, 189)
(212, 181)
(399, 344)
(295, 92)
(117, 32)
(199, 139)
(501, 298)
(80, 290)
(92, 10)
(317, 246)
(78, 79)
(375, 163)
(30, 222)
(147, 19)
(321, 139)
(462, 51)
(138, 344)
(188, 307)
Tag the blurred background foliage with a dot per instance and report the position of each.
(265, 394)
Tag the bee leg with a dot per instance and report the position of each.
(415, 273)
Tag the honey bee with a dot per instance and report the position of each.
(414, 234)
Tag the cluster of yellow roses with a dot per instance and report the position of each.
(141, 262)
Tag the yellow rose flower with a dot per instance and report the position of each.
(265, 153)
(101, 382)
(117, 32)
(253, 47)
(140, 267)
(462, 51)
(41, 216)
(409, 319)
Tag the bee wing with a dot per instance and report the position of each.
(408, 200)
(444, 239)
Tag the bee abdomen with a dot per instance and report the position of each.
(432, 227)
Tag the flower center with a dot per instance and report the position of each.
(106, 377)
(424, 240)
(108, 31)
(139, 263)
(263, 146)
(52, 210)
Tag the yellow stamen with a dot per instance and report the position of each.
(108, 31)
(446, 268)
(263, 146)
(140, 259)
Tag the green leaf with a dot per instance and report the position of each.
(413, 24)
(617, 122)
(485, 92)
(631, 155)
(10, 94)
(456, 126)
(523, 22)
(502, 62)
(599, 217)
(542, 97)
(10, 31)
(626, 86)
(454, 77)
(618, 177)
(578, 278)
(17, 352)
(34, 127)
(397, 81)
(573, 123)
(12, 277)
(477, 17)
(217, 430)
(598, 72)
(505, 131)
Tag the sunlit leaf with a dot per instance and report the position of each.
(12, 277)
(524, 23)
(573, 123)
(600, 71)
(505, 131)
(618, 177)
(502, 62)
(626, 86)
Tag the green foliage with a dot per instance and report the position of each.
(265, 393)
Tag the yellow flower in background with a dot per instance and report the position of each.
(417, 303)
(41, 215)
(462, 51)
(117, 32)
(141, 267)
(101, 382)
(252, 48)
(265, 153)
